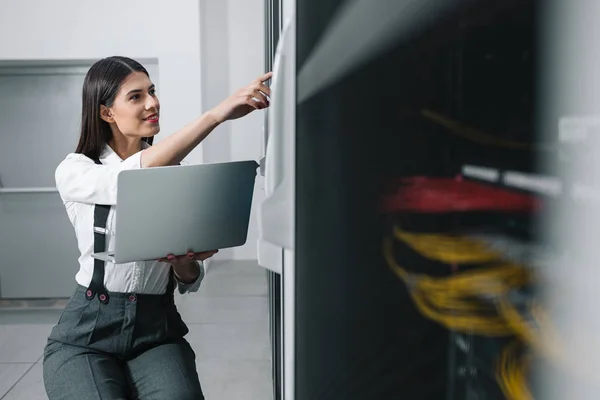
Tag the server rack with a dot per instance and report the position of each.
(449, 88)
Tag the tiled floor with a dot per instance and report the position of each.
(228, 321)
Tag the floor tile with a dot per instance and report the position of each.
(31, 387)
(205, 309)
(233, 285)
(236, 380)
(23, 343)
(10, 374)
(249, 341)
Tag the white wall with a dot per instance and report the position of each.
(140, 29)
(232, 44)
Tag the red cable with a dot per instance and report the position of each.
(443, 195)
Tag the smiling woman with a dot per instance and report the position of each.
(103, 109)
(121, 335)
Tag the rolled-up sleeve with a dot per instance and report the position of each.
(79, 179)
(192, 287)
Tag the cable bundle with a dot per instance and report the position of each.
(530, 329)
(473, 302)
(451, 249)
(512, 369)
(540, 334)
(473, 134)
(459, 302)
(444, 195)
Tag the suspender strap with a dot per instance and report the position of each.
(97, 284)
(171, 287)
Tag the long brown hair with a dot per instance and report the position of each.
(100, 87)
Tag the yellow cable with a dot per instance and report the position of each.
(468, 323)
(516, 321)
(452, 301)
(471, 133)
(492, 280)
(543, 338)
(446, 300)
(449, 249)
(511, 373)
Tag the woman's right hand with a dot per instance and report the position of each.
(178, 145)
(244, 101)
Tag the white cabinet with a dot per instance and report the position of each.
(40, 108)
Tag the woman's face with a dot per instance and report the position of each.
(135, 111)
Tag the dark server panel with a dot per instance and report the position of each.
(400, 229)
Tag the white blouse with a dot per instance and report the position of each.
(82, 184)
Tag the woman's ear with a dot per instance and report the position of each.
(106, 114)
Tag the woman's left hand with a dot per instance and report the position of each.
(185, 267)
(188, 258)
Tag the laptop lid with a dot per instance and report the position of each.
(175, 209)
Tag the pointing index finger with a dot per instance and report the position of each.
(266, 76)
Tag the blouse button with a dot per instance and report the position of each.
(132, 298)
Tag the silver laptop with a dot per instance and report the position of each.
(171, 210)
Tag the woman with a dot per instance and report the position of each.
(120, 336)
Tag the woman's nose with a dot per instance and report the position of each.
(152, 102)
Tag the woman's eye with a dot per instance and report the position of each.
(135, 97)
(152, 92)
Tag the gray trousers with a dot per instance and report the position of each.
(130, 348)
